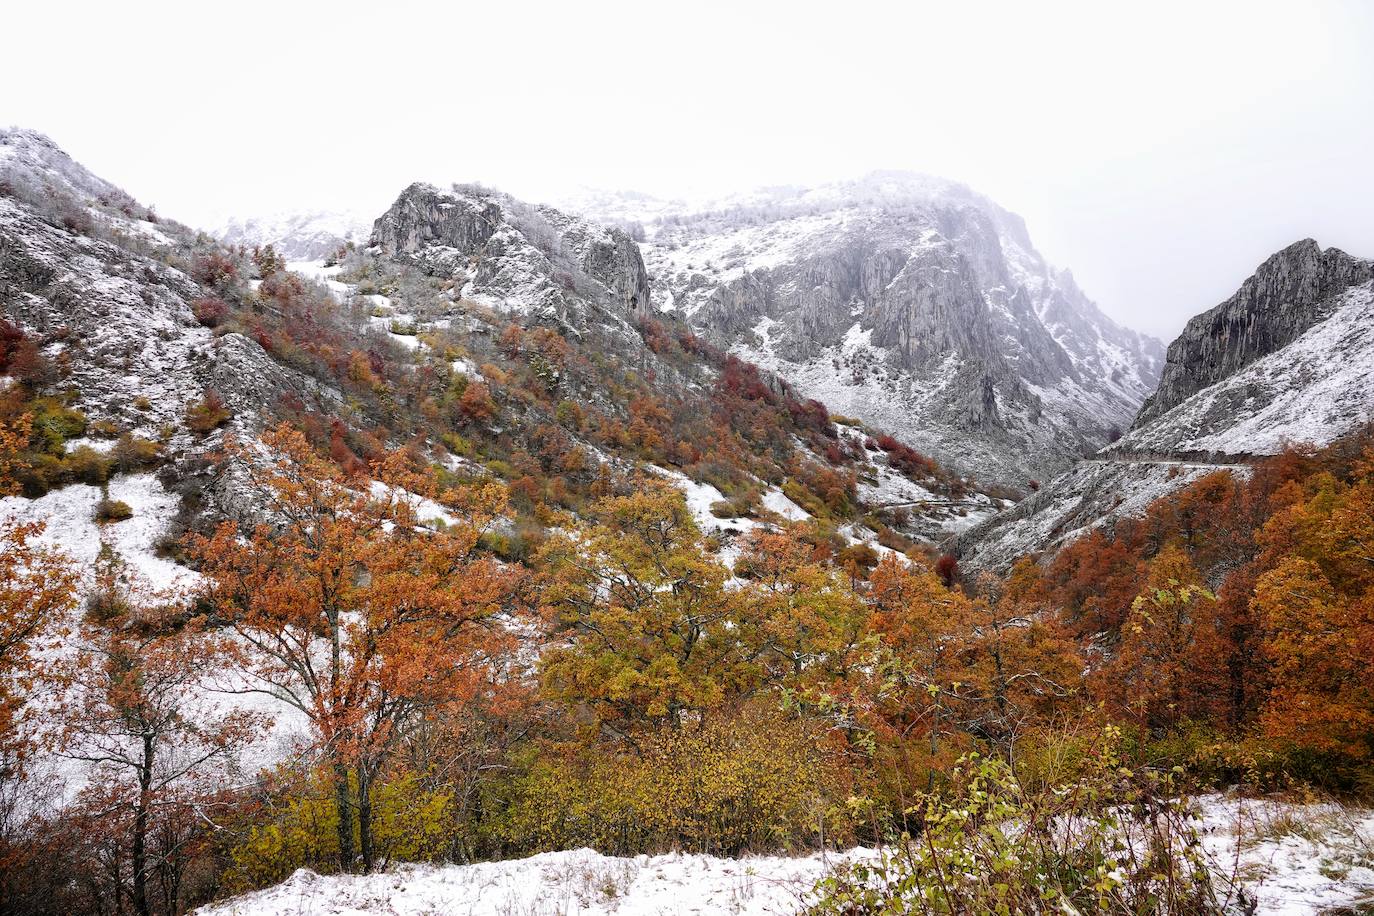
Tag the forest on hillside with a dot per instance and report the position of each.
(618, 683)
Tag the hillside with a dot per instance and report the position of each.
(1287, 360)
(137, 320)
(400, 578)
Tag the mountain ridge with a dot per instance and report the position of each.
(1290, 357)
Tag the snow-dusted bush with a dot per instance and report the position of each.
(1109, 840)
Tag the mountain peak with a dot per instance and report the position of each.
(1291, 291)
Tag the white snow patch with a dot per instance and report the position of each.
(579, 881)
(1290, 874)
(69, 514)
(774, 500)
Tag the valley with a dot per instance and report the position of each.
(397, 565)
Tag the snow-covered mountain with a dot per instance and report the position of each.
(908, 301)
(299, 236)
(1288, 359)
(137, 320)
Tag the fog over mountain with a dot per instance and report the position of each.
(1132, 141)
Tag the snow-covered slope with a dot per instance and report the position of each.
(1291, 363)
(1315, 389)
(910, 302)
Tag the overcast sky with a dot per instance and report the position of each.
(1160, 152)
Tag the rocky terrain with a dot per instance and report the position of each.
(541, 265)
(109, 290)
(516, 257)
(909, 302)
(1288, 359)
(138, 320)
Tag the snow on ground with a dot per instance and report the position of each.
(1297, 859)
(774, 500)
(427, 511)
(99, 445)
(701, 496)
(71, 525)
(580, 882)
(315, 270)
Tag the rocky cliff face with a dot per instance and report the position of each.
(106, 290)
(514, 256)
(1288, 359)
(1289, 293)
(911, 303)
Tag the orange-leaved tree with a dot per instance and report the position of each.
(353, 606)
(135, 711)
(1315, 608)
(800, 618)
(37, 595)
(1022, 661)
(925, 628)
(1171, 663)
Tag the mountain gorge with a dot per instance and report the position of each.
(503, 340)
(910, 303)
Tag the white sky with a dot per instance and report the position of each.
(1160, 150)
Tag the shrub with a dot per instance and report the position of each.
(85, 465)
(112, 510)
(210, 311)
(1113, 840)
(947, 568)
(208, 415)
(214, 269)
(757, 780)
(75, 218)
(132, 452)
(411, 823)
(476, 404)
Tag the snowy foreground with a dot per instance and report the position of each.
(552, 884)
(1296, 858)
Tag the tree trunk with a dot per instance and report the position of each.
(344, 805)
(139, 852)
(342, 794)
(934, 745)
(365, 817)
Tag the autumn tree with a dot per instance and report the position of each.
(640, 615)
(37, 595)
(135, 714)
(1021, 661)
(352, 609)
(925, 627)
(800, 617)
(1315, 607)
(1169, 665)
